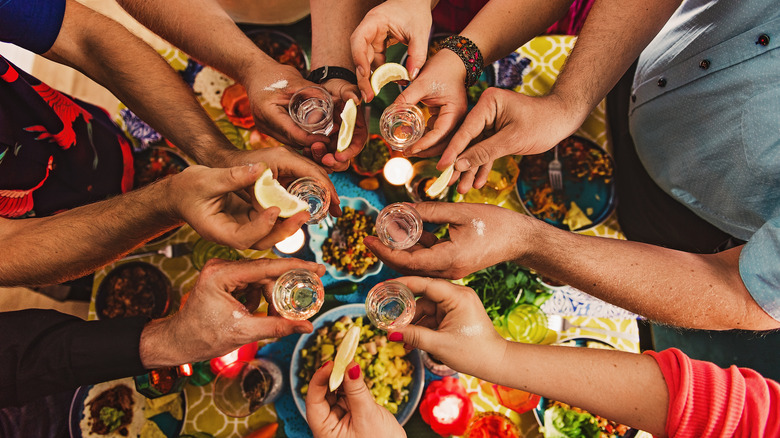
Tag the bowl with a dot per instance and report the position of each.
(133, 289)
(588, 181)
(326, 319)
(319, 233)
(281, 47)
(373, 152)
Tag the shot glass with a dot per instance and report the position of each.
(424, 173)
(245, 386)
(402, 125)
(311, 108)
(390, 305)
(298, 294)
(399, 226)
(313, 193)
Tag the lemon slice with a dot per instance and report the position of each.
(388, 72)
(348, 116)
(440, 184)
(270, 193)
(344, 356)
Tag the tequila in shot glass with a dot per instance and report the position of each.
(402, 125)
(311, 108)
(390, 305)
(313, 193)
(298, 294)
(399, 226)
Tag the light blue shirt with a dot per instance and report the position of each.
(705, 117)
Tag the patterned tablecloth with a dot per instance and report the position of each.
(546, 55)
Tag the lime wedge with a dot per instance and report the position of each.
(270, 193)
(441, 182)
(344, 356)
(387, 73)
(348, 116)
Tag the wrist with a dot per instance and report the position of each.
(469, 54)
(157, 347)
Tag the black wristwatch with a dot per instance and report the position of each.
(322, 74)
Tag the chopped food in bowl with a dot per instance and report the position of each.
(133, 289)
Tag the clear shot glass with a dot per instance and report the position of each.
(402, 125)
(298, 294)
(245, 386)
(311, 108)
(390, 305)
(315, 194)
(399, 226)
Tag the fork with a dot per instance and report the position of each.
(560, 324)
(170, 251)
(554, 171)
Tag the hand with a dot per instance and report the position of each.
(212, 322)
(350, 411)
(269, 94)
(405, 21)
(502, 123)
(440, 87)
(452, 325)
(480, 235)
(342, 91)
(287, 165)
(204, 198)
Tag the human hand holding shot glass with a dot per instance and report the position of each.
(390, 305)
(399, 226)
(402, 125)
(311, 108)
(313, 193)
(298, 294)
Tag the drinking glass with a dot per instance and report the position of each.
(298, 294)
(313, 193)
(527, 323)
(244, 386)
(311, 108)
(390, 305)
(399, 226)
(424, 173)
(402, 125)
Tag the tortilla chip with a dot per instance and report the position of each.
(170, 403)
(152, 430)
(575, 218)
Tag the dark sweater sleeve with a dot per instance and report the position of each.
(32, 24)
(45, 352)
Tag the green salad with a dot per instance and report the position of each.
(504, 286)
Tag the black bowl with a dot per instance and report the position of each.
(133, 289)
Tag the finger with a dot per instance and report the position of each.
(467, 180)
(265, 327)
(317, 406)
(318, 151)
(481, 116)
(290, 133)
(443, 212)
(282, 230)
(418, 51)
(237, 275)
(435, 290)
(361, 402)
(445, 123)
(482, 175)
(428, 239)
(416, 261)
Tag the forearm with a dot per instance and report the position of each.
(105, 51)
(603, 382)
(332, 24)
(518, 21)
(613, 36)
(674, 287)
(75, 242)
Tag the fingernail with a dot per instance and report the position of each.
(354, 372)
(362, 93)
(462, 165)
(396, 337)
(326, 363)
(414, 73)
(361, 72)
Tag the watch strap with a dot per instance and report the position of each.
(323, 74)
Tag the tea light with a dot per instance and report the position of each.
(243, 353)
(398, 170)
(292, 244)
(446, 407)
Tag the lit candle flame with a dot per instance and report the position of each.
(398, 171)
(291, 244)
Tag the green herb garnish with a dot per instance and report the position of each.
(111, 417)
(505, 285)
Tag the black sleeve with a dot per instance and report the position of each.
(32, 24)
(45, 352)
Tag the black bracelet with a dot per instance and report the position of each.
(322, 74)
(470, 55)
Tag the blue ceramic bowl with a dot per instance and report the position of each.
(318, 233)
(353, 310)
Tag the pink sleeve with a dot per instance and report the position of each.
(708, 401)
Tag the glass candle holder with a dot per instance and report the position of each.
(245, 386)
(313, 193)
(527, 323)
(311, 108)
(402, 125)
(390, 305)
(298, 294)
(424, 173)
(399, 226)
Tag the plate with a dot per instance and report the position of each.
(318, 233)
(354, 310)
(281, 47)
(159, 287)
(170, 426)
(594, 195)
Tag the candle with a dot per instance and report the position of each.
(397, 171)
(246, 352)
(292, 244)
(446, 407)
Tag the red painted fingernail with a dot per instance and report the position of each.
(323, 365)
(354, 372)
(396, 337)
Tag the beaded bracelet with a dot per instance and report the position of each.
(470, 55)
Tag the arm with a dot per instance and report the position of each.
(106, 52)
(674, 287)
(213, 38)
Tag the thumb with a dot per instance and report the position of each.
(263, 327)
(239, 177)
(361, 402)
(482, 153)
(415, 336)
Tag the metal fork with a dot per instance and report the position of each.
(554, 171)
(170, 251)
(560, 324)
